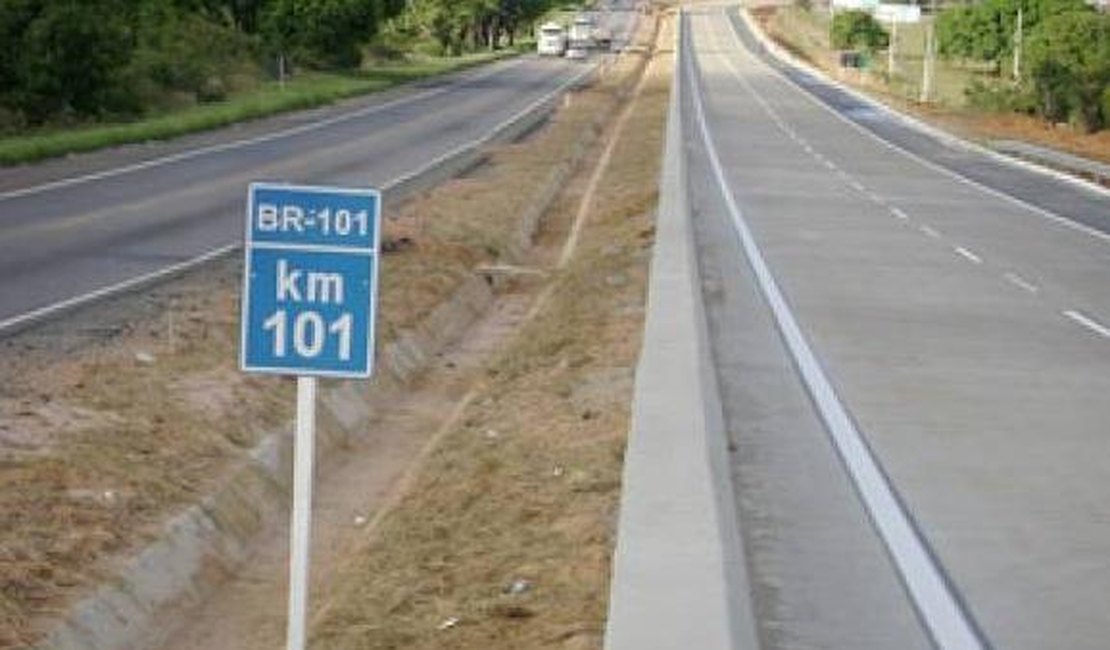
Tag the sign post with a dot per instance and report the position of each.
(309, 297)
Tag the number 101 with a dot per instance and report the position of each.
(310, 334)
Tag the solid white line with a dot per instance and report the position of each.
(1019, 281)
(930, 232)
(235, 144)
(490, 135)
(1043, 212)
(939, 608)
(972, 257)
(1088, 322)
(84, 299)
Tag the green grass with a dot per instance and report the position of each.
(305, 91)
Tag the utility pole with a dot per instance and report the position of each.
(930, 55)
(890, 61)
(1017, 44)
(930, 61)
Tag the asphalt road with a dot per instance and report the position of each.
(78, 225)
(966, 336)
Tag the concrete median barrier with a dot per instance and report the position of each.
(679, 578)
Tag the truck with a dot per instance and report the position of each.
(552, 40)
(581, 37)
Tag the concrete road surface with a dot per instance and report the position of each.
(966, 336)
(73, 226)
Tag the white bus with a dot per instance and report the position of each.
(552, 41)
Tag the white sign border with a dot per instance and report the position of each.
(375, 267)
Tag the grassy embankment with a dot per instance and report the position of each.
(806, 34)
(305, 91)
(503, 538)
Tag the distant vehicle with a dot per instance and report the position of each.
(581, 38)
(553, 40)
(577, 53)
(603, 38)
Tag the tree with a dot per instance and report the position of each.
(858, 30)
(325, 33)
(984, 31)
(1068, 65)
(65, 56)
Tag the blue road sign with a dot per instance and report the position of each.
(310, 280)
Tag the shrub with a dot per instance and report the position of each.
(1106, 106)
(998, 97)
(187, 52)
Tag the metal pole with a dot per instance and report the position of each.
(301, 522)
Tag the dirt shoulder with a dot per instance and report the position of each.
(972, 125)
(128, 412)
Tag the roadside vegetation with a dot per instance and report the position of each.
(76, 76)
(1058, 53)
(993, 76)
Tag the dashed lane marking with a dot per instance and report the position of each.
(968, 255)
(1018, 281)
(1088, 322)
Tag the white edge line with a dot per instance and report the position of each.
(493, 133)
(1064, 221)
(1088, 322)
(27, 318)
(41, 313)
(246, 142)
(938, 607)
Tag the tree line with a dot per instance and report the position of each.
(75, 60)
(1062, 49)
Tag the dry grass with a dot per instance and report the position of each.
(97, 447)
(108, 444)
(505, 537)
